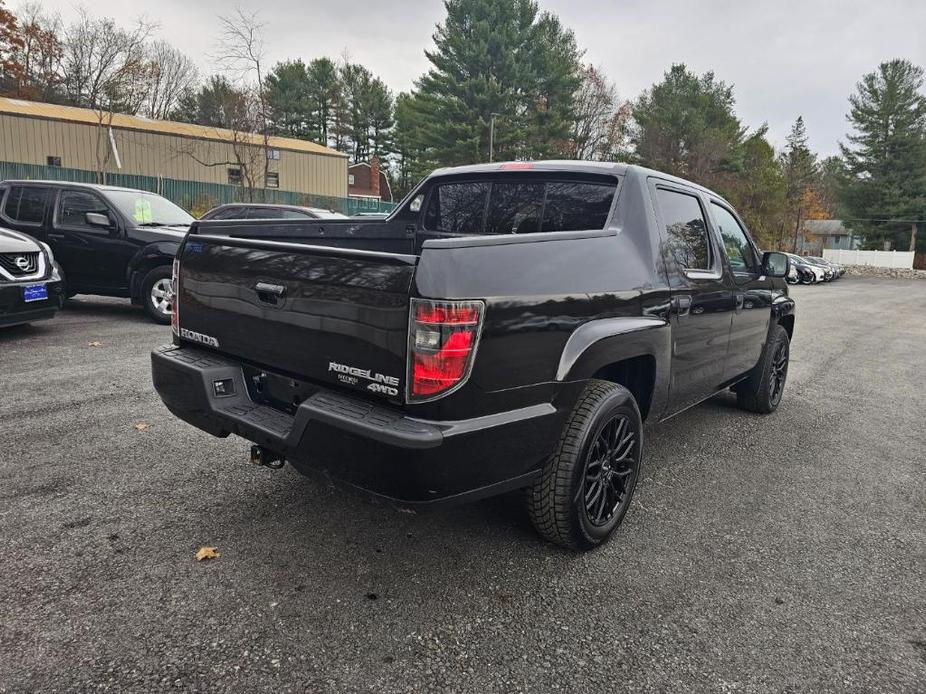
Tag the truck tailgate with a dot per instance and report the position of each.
(322, 313)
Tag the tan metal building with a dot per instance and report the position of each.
(79, 138)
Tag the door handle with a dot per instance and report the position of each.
(269, 293)
(681, 304)
(56, 237)
(266, 288)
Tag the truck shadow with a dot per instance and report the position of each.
(103, 307)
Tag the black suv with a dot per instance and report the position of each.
(107, 240)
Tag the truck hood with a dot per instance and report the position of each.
(166, 233)
(14, 242)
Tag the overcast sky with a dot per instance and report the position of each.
(784, 57)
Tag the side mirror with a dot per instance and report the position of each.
(96, 219)
(775, 264)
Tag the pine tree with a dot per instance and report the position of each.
(799, 166)
(500, 57)
(289, 100)
(685, 125)
(886, 155)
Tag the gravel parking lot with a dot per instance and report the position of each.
(781, 553)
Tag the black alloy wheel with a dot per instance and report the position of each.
(779, 373)
(609, 468)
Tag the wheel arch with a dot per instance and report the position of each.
(633, 352)
(145, 260)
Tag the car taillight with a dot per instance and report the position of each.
(175, 299)
(442, 341)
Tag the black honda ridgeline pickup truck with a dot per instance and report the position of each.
(508, 326)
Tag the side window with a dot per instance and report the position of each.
(577, 206)
(737, 246)
(228, 213)
(26, 204)
(457, 208)
(686, 229)
(73, 206)
(514, 208)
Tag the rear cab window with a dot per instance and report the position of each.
(519, 205)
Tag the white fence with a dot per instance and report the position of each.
(898, 259)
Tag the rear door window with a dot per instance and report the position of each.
(686, 230)
(26, 204)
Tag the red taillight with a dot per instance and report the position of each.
(175, 299)
(442, 345)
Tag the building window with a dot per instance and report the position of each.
(273, 179)
(273, 154)
(234, 177)
(350, 179)
(53, 161)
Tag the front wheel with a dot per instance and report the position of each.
(762, 391)
(586, 486)
(158, 294)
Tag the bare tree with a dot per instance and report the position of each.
(40, 54)
(105, 70)
(600, 125)
(241, 53)
(103, 63)
(171, 74)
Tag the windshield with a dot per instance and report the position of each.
(148, 208)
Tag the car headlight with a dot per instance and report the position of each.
(48, 253)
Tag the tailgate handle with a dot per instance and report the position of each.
(269, 293)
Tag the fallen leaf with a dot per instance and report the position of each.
(95, 343)
(142, 426)
(207, 553)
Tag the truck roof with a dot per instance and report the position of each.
(570, 166)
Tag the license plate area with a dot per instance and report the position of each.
(35, 292)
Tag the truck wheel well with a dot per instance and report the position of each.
(637, 374)
(138, 275)
(787, 322)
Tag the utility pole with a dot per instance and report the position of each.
(492, 136)
(913, 237)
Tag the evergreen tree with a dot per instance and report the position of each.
(685, 125)
(499, 57)
(217, 103)
(886, 155)
(324, 86)
(799, 166)
(290, 102)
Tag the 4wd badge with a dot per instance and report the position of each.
(380, 382)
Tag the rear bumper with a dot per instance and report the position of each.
(376, 448)
(15, 311)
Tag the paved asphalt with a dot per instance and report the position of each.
(779, 553)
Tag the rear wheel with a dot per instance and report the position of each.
(158, 294)
(587, 485)
(762, 391)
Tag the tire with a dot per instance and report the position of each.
(761, 392)
(808, 278)
(157, 294)
(65, 290)
(586, 486)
